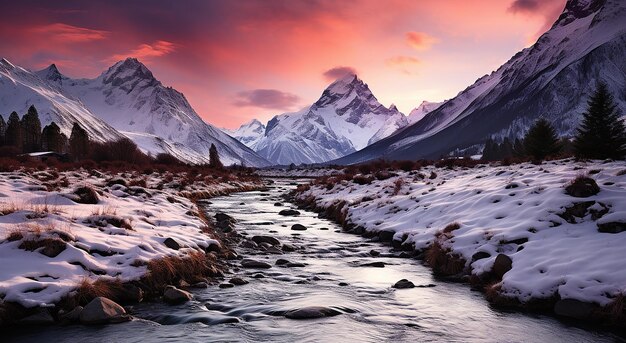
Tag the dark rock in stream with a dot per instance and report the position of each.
(573, 308)
(248, 263)
(174, 296)
(41, 317)
(226, 285)
(374, 252)
(265, 239)
(237, 281)
(312, 312)
(289, 213)
(373, 264)
(278, 204)
(502, 264)
(282, 261)
(404, 283)
(298, 227)
(288, 247)
(102, 310)
(295, 265)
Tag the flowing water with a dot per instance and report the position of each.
(333, 276)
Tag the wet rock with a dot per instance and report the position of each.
(102, 310)
(289, 212)
(265, 239)
(582, 187)
(282, 261)
(295, 265)
(612, 227)
(258, 276)
(430, 285)
(573, 308)
(374, 252)
(224, 221)
(274, 250)
(41, 317)
(298, 227)
(72, 316)
(278, 204)
(312, 312)
(220, 217)
(249, 245)
(288, 248)
(502, 264)
(343, 284)
(249, 263)
(226, 285)
(404, 283)
(237, 281)
(201, 284)
(373, 264)
(173, 295)
(480, 255)
(324, 229)
(130, 293)
(386, 236)
(171, 243)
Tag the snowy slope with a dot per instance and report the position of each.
(129, 98)
(346, 118)
(20, 88)
(422, 110)
(249, 133)
(553, 79)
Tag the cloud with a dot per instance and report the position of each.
(266, 98)
(338, 72)
(405, 64)
(549, 10)
(70, 34)
(147, 51)
(420, 40)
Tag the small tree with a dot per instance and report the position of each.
(52, 139)
(601, 133)
(13, 136)
(214, 158)
(518, 148)
(31, 130)
(3, 130)
(79, 142)
(541, 140)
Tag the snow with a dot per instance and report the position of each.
(422, 110)
(249, 133)
(495, 205)
(33, 279)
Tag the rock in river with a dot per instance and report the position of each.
(311, 312)
(248, 263)
(103, 310)
(265, 239)
(298, 227)
(404, 283)
(173, 295)
(289, 213)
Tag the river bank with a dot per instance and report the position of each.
(519, 233)
(69, 237)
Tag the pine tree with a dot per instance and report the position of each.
(214, 158)
(31, 130)
(13, 136)
(3, 130)
(601, 133)
(52, 139)
(489, 150)
(506, 149)
(541, 140)
(79, 142)
(518, 148)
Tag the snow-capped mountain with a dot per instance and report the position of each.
(346, 118)
(552, 79)
(21, 88)
(422, 110)
(157, 118)
(249, 133)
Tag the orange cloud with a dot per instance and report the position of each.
(405, 64)
(420, 40)
(147, 51)
(70, 34)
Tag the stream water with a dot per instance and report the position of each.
(332, 276)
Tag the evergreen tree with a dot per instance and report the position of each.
(541, 140)
(601, 133)
(3, 130)
(214, 158)
(506, 149)
(518, 148)
(489, 150)
(13, 136)
(52, 139)
(79, 142)
(31, 130)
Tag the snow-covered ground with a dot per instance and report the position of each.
(298, 172)
(111, 239)
(498, 208)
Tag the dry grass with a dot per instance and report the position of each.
(172, 269)
(104, 211)
(397, 185)
(8, 208)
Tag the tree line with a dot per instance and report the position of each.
(25, 135)
(601, 135)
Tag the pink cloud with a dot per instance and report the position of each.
(338, 72)
(266, 98)
(147, 51)
(405, 64)
(420, 40)
(69, 34)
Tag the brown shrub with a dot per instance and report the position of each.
(51, 247)
(171, 269)
(397, 185)
(443, 262)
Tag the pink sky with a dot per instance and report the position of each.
(238, 60)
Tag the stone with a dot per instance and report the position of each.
(612, 227)
(295, 265)
(343, 284)
(288, 247)
(237, 281)
(298, 227)
(171, 243)
(404, 283)
(282, 261)
(102, 310)
(582, 187)
(220, 217)
(289, 213)
(374, 264)
(386, 236)
(72, 316)
(278, 204)
(226, 285)
(85, 195)
(249, 263)
(130, 293)
(311, 312)
(41, 317)
(480, 255)
(173, 295)
(374, 252)
(573, 308)
(265, 239)
(501, 265)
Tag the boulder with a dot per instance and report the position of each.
(102, 310)
(612, 227)
(288, 248)
(237, 281)
(298, 227)
(72, 316)
(278, 204)
(85, 195)
(501, 265)
(265, 239)
(311, 312)
(173, 295)
(374, 264)
(582, 187)
(573, 308)
(282, 261)
(374, 252)
(249, 263)
(404, 283)
(226, 285)
(171, 243)
(289, 213)
(41, 317)
(295, 265)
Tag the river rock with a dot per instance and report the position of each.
(311, 312)
(41, 317)
(404, 283)
(282, 261)
(288, 247)
(173, 295)
(295, 265)
(573, 308)
(278, 204)
(373, 264)
(298, 227)
(237, 281)
(102, 310)
(265, 239)
(226, 285)
(72, 316)
(374, 252)
(249, 263)
(171, 243)
(502, 264)
(289, 213)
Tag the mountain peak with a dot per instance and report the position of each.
(128, 69)
(344, 84)
(575, 9)
(51, 73)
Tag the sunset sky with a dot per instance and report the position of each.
(238, 60)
